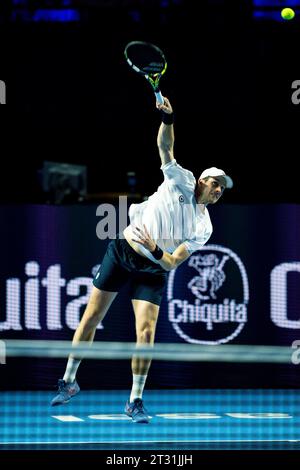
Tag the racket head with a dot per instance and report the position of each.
(145, 58)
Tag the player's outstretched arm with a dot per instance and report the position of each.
(171, 261)
(165, 137)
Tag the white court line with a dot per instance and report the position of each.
(151, 441)
(68, 418)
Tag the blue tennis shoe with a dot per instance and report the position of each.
(137, 411)
(66, 391)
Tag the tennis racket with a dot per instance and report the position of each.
(148, 60)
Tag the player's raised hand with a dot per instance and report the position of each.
(165, 107)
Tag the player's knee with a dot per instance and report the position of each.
(147, 333)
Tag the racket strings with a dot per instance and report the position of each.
(148, 60)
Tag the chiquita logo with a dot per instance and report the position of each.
(208, 296)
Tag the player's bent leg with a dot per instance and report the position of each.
(95, 311)
(146, 314)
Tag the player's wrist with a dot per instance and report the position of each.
(167, 118)
(157, 253)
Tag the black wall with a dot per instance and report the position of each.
(72, 98)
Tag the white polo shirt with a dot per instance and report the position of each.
(172, 215)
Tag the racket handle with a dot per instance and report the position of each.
(159, 97)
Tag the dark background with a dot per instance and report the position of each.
(72, 98)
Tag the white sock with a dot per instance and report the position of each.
(71, 370)
(138, 384)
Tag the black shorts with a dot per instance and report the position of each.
(121, 264)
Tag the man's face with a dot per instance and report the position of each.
(212, 189)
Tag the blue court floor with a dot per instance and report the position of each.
(181, 419)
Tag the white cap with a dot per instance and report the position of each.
(215, 172)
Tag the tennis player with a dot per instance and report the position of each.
(163, 232)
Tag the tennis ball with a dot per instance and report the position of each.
(287, 13)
